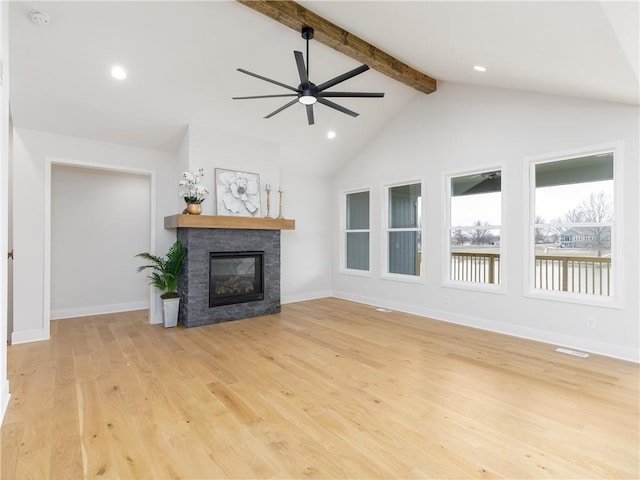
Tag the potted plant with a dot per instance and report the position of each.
(193, 193)
(165, 276)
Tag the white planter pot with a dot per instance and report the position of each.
(170, 308)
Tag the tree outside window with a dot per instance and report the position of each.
(573, 225)
(475, 205)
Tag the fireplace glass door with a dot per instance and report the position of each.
(235, 277)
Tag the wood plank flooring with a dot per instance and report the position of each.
(326, 389)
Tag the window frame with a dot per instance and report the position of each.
(384, 270)
(617, 225)
(342, 268)
(499, 288)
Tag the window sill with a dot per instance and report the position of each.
(476, 287)
(396, 277)
(578, 298)
(355, 273)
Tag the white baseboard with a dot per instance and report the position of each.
(302, 297)
(556, 339)
(5, 396)
(98, 310)
(26, 336)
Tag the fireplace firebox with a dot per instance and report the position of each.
(235, 277)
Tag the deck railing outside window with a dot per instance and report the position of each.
(475, 267)
(588, 275)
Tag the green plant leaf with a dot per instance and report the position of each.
(166, 272)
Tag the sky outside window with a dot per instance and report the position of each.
(467, 209)
(551, 203)
(554, 202)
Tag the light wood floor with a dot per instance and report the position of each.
(327, 389)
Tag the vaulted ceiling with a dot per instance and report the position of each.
(181, 59)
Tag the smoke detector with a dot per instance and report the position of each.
(39, 17)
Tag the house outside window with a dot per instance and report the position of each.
(356, 233)
(473, 233)
(404, 231)
(572, 226)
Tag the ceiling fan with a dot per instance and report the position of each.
(309, 93)
(485, 182)
(488, 175)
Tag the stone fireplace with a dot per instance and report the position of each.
(232, 269)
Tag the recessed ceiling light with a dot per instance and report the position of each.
(118, 73)
(331, 134)
(479, 68)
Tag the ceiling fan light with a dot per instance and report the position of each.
(307, 99)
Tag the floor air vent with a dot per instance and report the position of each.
(572, 352)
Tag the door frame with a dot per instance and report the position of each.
(49, 163)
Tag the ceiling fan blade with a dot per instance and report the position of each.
(266, 96)
(302, 70)
(351, 94)
(292, 102)
(310, 114)
(343, 77)
(340, 108)
(275, 82)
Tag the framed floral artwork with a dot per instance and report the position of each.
(237, 193)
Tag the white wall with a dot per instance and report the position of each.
(183, 166)
(460, 128)
(306, 251)
(99, 222)
(4, 201)
(31, 151)
(211, 149)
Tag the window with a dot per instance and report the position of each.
(356, 231)
(572, 225)
(474, 230)
(404, 225)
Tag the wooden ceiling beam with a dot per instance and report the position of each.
(296, 16)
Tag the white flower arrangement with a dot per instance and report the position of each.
(194, 192)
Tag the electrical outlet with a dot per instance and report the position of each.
(591, 322)
(447, 300)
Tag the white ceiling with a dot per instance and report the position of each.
(181, 59)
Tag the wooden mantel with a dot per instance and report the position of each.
(237, 223)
